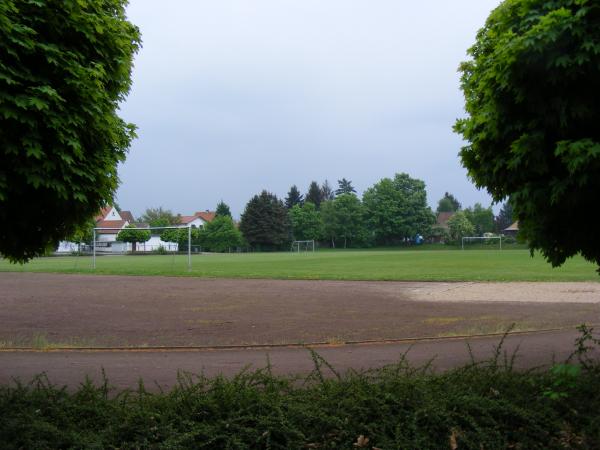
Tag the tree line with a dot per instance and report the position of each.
(394, 211)
(472, 221)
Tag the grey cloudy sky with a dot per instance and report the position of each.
(235, 96)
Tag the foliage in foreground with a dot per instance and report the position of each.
(531, 94)
(487, 405)
(64, 68)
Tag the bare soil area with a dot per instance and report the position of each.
(78, 310)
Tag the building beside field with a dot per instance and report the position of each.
(512, 230)
(440, 229)
(110, 221)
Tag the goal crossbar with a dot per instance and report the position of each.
(189, 249)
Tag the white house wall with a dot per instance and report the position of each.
(113, 214)
(197, 222)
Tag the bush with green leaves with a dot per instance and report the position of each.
(485, 404)
(64, 68)
(159, 217)
(133, 235)
(220, 235)
(459, 226)
(180, 236)
(532, 96)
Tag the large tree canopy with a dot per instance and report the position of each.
(159, 217)
(220, 235)
(264, 222)
(343, 218)
(306, 222)
(397, 210)
(448, 203)
(532, 91)
(64, 67)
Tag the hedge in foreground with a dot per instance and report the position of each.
(487, 406)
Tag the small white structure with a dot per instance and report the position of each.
(108, 217)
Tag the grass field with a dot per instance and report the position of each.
(411, 265)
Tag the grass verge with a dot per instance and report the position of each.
(411, 265)
(482, 405)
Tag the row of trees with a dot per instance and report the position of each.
(318, 194)
(392, 211)
(472, 221)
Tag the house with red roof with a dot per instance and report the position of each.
(198, 219)
(110, 221)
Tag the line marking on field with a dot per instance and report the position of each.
(407, 340)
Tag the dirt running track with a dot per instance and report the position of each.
(80, 310)
(46, 310)
(159, 369)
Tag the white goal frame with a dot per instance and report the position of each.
(475, 238)
(308, 244)
(189, 249)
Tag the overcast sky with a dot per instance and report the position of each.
(232, 97)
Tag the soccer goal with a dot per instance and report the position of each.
(488, 241)
(303, 246)
(105, 242)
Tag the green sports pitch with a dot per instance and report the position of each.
(407, 265)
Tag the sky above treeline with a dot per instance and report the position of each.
(235, 96)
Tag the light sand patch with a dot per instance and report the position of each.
(529, 292)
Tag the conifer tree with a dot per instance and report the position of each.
(345, 187)
(264, 222)
(222, 209)
(294, 197)
(314, 194)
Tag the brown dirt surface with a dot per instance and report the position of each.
(161, 369)
(80, 310)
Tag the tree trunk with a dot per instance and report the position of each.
(344, 241)
(133, 247)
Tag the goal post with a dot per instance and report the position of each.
(482, 239)
(306, 246)
(97, 231)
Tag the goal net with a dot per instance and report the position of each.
(303, 246)
(174, 241)
(482, 242)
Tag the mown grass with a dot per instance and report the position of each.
(413, 265)
(482, 405)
